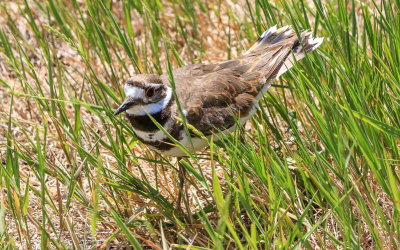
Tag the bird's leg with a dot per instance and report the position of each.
(181, 176)
(242, 134)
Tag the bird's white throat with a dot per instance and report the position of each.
(151, 108)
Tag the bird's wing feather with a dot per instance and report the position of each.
(221, 91)
(229, 90)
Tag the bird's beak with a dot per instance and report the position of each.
(124, 106)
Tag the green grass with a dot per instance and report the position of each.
(317, 167)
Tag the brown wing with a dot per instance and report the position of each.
(218, 99)
(213, 98)
(214, 94)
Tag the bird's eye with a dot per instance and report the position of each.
(150, 92)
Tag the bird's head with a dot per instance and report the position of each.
(145, 94)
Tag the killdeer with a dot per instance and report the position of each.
(211, 95)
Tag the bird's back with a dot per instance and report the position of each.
(213, 94)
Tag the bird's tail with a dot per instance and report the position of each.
(275, 40)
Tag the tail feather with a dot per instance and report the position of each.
(276, 39)
(309, 45)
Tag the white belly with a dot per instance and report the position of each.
(198, 143)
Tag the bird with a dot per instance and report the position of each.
(213, 98)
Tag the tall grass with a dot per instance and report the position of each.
(316, 167)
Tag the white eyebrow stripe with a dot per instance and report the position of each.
(133, 92)
(155, 85)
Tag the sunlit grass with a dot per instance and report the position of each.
(316, 166)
